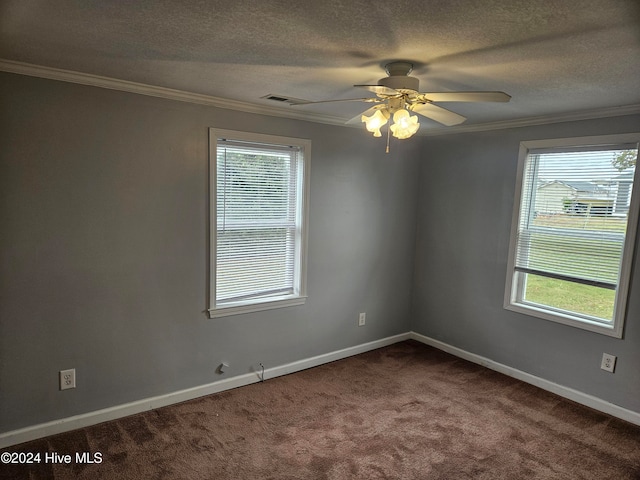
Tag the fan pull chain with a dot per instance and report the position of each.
(388, 135)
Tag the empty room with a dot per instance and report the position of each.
(319, 240)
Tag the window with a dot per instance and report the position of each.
(259, 190)
(573, 231)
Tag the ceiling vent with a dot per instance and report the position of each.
(282, 99)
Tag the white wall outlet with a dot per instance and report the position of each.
(67, 379)
(362, 319)
(608, 362)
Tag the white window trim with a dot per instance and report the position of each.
(300, 296)
(615, 329)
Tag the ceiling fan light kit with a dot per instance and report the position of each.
(398, 95)
(404, 125)
(376, 121)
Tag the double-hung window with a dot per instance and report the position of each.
(573, 231)
(259, 191)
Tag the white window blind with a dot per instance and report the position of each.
(573, 224)
(572, 228)
(259, 238)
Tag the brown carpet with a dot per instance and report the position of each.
(407, 411)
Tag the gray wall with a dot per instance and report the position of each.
(467, 184)
(103, 248)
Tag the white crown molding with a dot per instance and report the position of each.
(51, 73)
(540, 120)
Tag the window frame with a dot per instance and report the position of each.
(299, 296)
(514, 281)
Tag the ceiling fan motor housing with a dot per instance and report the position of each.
(400, 82)
(399, 78)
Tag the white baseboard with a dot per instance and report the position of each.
(566, 392)
(92, 418)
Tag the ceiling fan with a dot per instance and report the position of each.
(397, 95)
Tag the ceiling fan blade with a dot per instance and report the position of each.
(379, 89)
(439, 114)
(358, 118)
(465, 96)
(309, 102)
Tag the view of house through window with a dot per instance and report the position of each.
(258, 254)
(574, 232)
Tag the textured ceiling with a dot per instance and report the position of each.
(553, 56)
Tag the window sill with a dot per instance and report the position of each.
(559, 317)
(239, 309)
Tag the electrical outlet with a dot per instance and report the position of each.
(362, 319)
(608, 362)
(67, 379)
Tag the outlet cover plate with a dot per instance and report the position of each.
(67, 379)
(608, 362)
